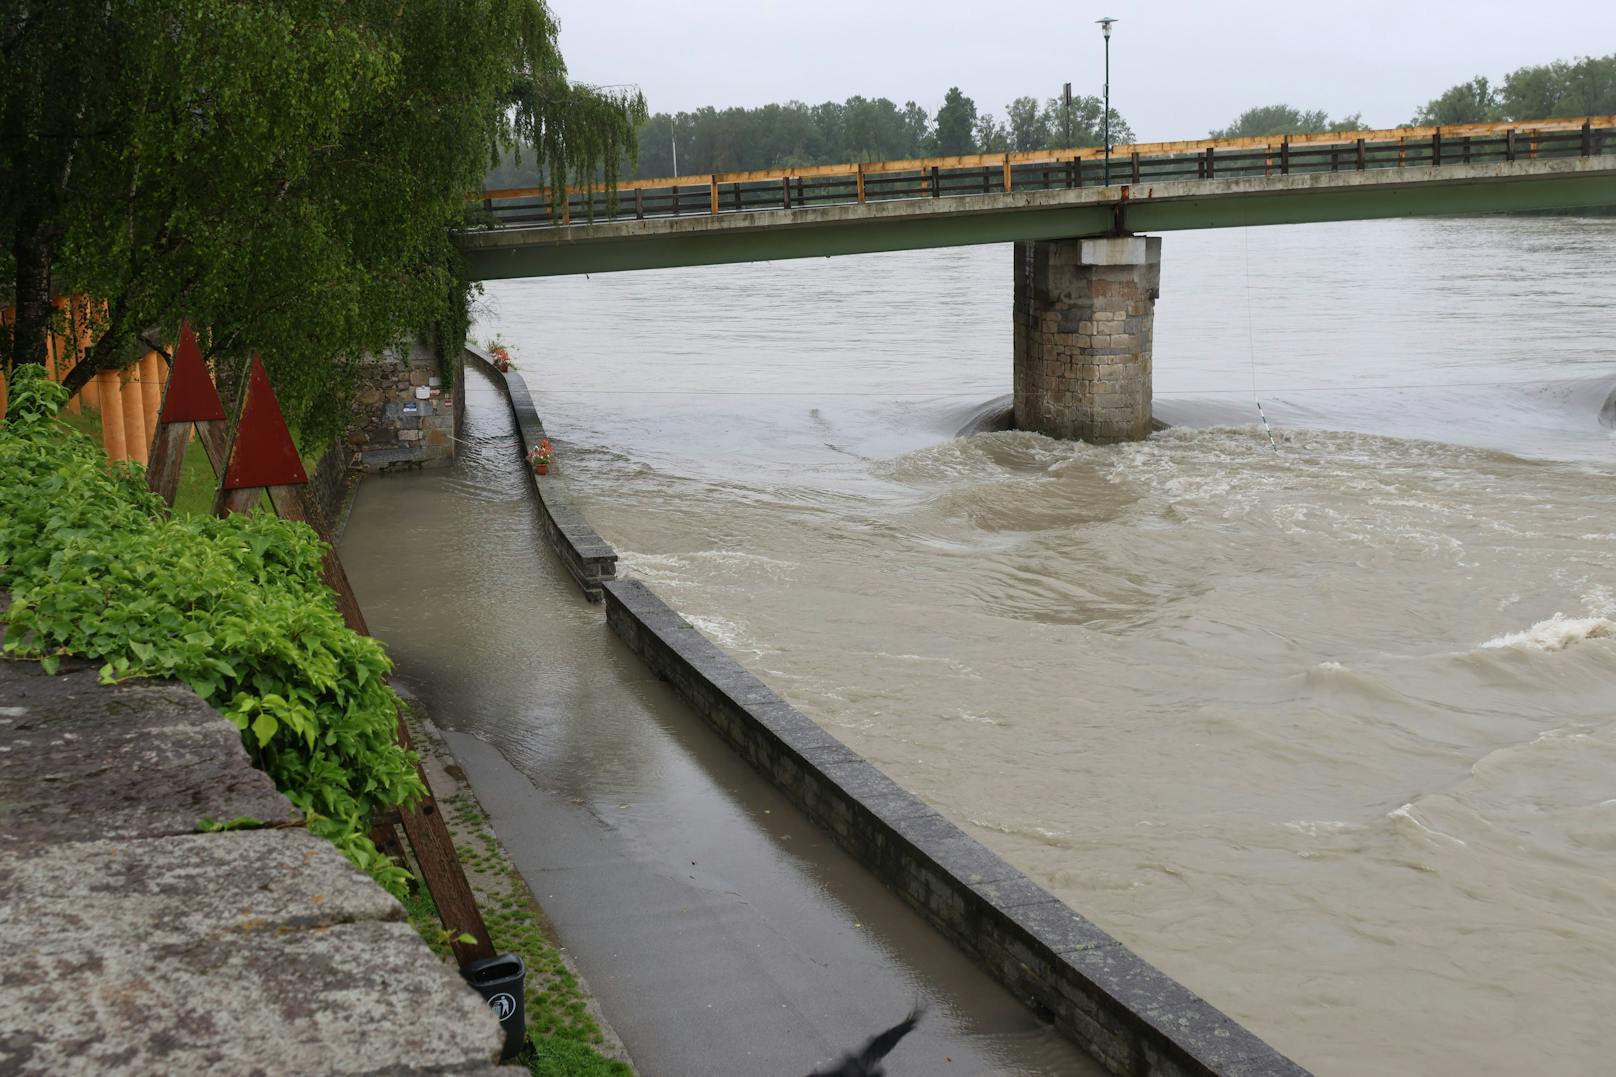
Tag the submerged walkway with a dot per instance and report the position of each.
(723, 933)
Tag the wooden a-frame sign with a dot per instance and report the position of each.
(261, 457)
(189, 399)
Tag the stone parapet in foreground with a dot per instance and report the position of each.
(137, 944)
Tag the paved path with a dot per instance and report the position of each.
(723, 933)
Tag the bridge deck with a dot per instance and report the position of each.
(846, 209)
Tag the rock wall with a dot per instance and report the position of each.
(399, 426)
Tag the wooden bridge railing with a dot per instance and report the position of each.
(1043, 170)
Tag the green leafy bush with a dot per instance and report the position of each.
(235, 608)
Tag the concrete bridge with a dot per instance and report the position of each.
(1085, 282)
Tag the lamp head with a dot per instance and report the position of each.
(1105, 26)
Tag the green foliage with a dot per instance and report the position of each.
(285, 173)
(956, 125)
(1469, 102)
(235, 608)
(858, 129)
(1285, 120)
(1565, 88)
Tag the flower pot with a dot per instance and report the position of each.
(541, 469)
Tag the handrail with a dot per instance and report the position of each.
(1121, 153)
(979, 174)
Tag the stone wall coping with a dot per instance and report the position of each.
(1130, 1015)
(140, 945)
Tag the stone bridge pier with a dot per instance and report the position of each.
(1084, 311)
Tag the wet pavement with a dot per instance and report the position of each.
(721, 931)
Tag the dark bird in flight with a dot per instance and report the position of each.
(867, 1063)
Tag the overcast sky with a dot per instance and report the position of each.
(1178, 67)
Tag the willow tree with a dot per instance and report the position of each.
(284, 173)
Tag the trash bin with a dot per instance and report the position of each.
(500, 980)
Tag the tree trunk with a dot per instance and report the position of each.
(33, 256)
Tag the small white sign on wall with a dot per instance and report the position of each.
(422, 392)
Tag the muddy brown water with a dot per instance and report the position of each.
(1327, 732)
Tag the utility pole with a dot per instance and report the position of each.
(1105, 28)
(1066, 97)
(674, 138)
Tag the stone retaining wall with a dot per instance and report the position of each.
(1129, 1015)
(589, 559)
(396, 427)
(136, 944)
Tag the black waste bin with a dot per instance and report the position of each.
(499, 980)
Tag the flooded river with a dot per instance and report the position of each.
(1328, 732)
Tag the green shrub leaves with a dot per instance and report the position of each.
(235, 608)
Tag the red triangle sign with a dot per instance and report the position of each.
(191, 397)
(263, 453)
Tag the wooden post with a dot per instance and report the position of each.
(1210, 166)
(135, 441)
(1509, 144)
(151, 389)
(639, 204)
(106, 388)
(1588, 137)
(1285, 157)
(1074, 177)
(859, 180)
(1009, 178)
(936, 186)
(1436, 147)
(1361, 156)
(712, 184)
(269, 462)
(785, 189)
(1135, 166)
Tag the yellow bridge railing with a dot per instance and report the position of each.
(1032, 170)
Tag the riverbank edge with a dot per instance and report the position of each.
(588, 558)
(505, 897)
(1129, 1015)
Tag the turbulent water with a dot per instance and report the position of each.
(1327, 731)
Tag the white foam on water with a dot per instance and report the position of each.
(1405, 813)
(1555, 634)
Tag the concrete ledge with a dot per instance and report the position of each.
(1129, 1015)
(138, 945)
(588, 557)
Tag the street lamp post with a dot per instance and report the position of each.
(1105, 28)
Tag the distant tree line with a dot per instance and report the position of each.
(1582, 87)
(858, 129)
(865, 129)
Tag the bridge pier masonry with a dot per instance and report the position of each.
(1084, 315)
